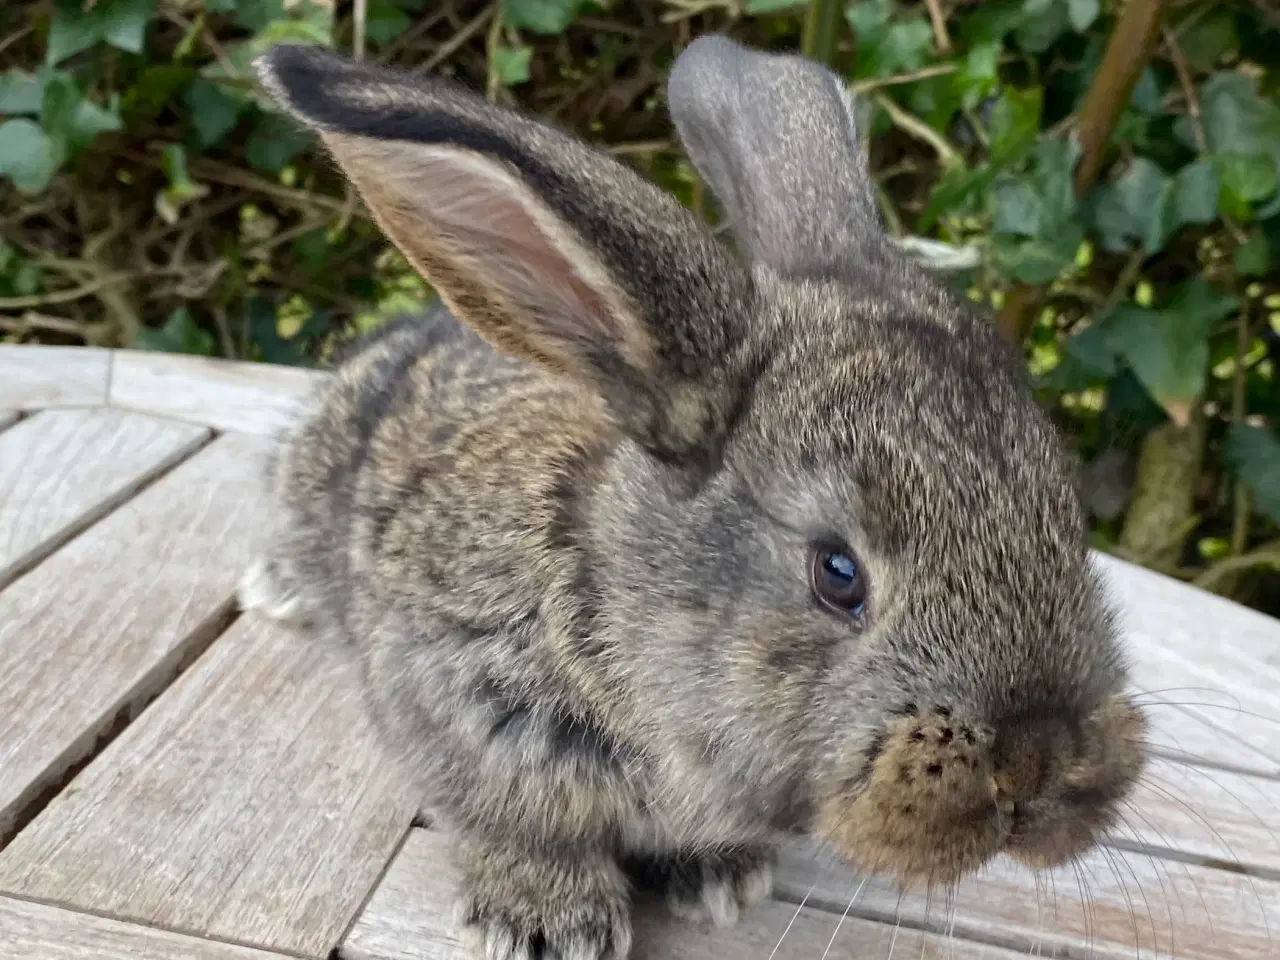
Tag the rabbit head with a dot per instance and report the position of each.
(831, 549)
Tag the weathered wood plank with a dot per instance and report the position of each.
(249, 803)
(244, 397)
(1218, 659)
(409, 917)
(33, 931)
(1163, 908)
(61, 470)
(1210, 815)
(105, 622)
(36, 378)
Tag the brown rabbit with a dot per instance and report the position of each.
(657, 556)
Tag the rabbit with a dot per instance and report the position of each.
(655, 550)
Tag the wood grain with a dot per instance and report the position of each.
(1212, 816)
(1218, 660)
(1164, 908)
(257, 398)
(36, 378)
(104, 623)
(61, 470)
(33, 931)
(249, 803)
(409, 917)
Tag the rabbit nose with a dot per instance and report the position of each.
(1023, 756)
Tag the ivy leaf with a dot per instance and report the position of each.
(1040, 259)
(1254, 453)
(1141, 205)
(28, 156)
(1146, 96)
(180, 334)
(125, 23)
(1043, 23)
(71, 120)
(1195, 191)
(1016, 209)
(541, 16)
(511, 64)
(214, 113)
(385, 22)
(1236, 118)
(1082, 13)
(275, 141)
(1253, 257)
(121, 23)
(905, 47)
(20, 93)
(1168, 349)
(1246, 178)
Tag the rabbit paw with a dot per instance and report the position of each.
(547, 911)
(262, 590)
(714, 888)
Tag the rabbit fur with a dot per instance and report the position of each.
(571, 539)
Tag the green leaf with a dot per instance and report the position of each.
(1146, 96)
(1016, 209)
(1206, 41)
(1092, 350)
(905, 47)
(180, 334)
(275, 141)
(1244, 177)
(1015, 121)
(1082, 13)
(771, 6)
(1195, 191)
(126, 23)
(1254, 454)
(214, 113)
(540, 16)
(1044, 22)
(219, 6)
(1040, 259)
(70, 119)
(1236, 118)
(384, 23)
(121, 23)
(511, 65)
(1253, 257)
(27, 156)
(20, 93)
(1168, 349)
(869, 19)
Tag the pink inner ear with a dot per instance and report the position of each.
(502, 238)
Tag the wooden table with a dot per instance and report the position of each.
(180, 782)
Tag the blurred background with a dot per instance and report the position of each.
(1102, 174)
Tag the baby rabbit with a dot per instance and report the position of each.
(651, 556)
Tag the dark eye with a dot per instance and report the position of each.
(839, 581)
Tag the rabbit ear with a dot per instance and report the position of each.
(774, 136)
(552, 251)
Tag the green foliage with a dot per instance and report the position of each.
(134, 141)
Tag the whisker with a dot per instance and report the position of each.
(857, 893)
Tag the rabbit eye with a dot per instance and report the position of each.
(838, 580)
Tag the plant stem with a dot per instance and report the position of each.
(1128, 51)
(822, 30)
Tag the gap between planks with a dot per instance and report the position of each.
(31, 929)
(61, 471)
(81, 653)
